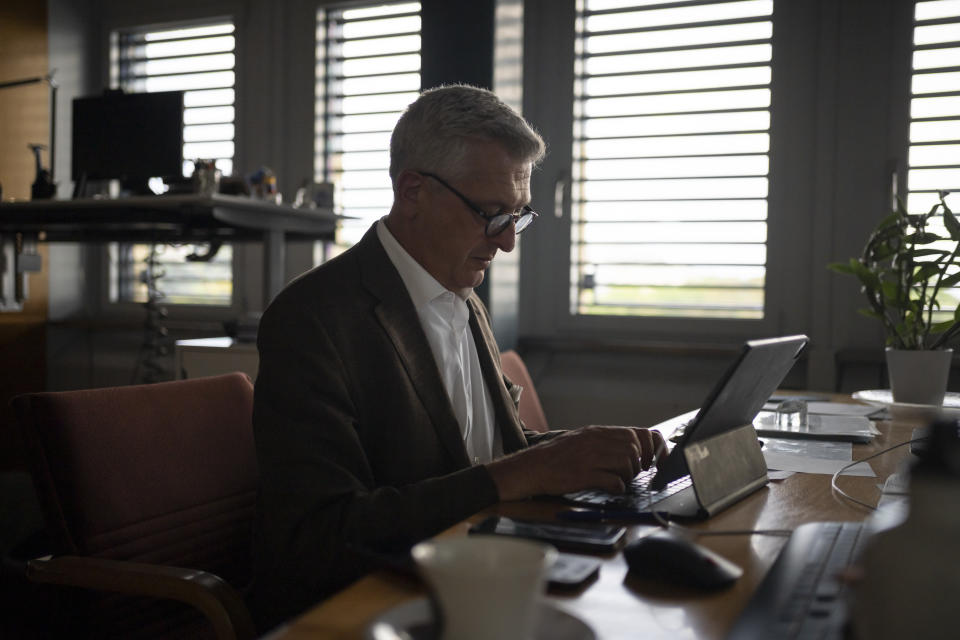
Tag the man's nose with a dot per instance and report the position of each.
(506, 240)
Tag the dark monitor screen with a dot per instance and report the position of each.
(128, 136)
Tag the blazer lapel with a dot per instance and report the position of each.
(400, 321)
(507, 418)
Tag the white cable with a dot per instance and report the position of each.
(844, 494)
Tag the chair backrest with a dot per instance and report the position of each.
(531, 411)
(161, 473)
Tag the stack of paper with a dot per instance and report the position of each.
(844, 409)
(817, 427)
(817, 405)
(824, 421)
(785, 457)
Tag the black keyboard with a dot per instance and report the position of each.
(801, 596)
(638, 496)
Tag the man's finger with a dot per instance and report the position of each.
(636, 452)
(659, 445)
(612, 483)
(647, 449)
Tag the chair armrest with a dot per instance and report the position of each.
(220, 603)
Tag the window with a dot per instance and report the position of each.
(934, 156)
(199, 60)
(670, 158)
(368, 71)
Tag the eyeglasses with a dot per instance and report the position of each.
(496, 222)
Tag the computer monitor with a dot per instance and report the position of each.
(130, 137)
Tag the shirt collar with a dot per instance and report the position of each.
(422, 287)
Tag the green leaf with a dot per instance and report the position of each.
(940, 327)
(927, 271)
(888, 221)
(866, 276)
(892, 294)
(923, 237)
(883, 252)
(950, 222)
(950, 281)
(840, 267)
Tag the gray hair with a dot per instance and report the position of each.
(436, 130)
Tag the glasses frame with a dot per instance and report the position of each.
(520, 220)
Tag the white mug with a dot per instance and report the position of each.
(486, 586)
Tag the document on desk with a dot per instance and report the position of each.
(847, 428)
(812, 457)
(835, 408)
(844, 409)
(823, 449)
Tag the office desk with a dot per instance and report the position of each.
(214, 356)
(169, 218)
(621, 607)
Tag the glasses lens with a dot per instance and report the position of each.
(523, 222)
(498, 223)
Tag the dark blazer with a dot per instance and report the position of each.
(357, 441)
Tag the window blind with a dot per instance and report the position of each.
(934, 155)
(368, 71)
(200, 60)
(670, 159)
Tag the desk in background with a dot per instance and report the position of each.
(155, 219)
(618, 606)
(214, 356)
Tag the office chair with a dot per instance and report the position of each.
(147, 490)
(531, 411)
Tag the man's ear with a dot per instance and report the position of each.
(408, 192)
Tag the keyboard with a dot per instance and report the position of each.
(800, 597)
(637, 497)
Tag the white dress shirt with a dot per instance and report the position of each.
(445, 316)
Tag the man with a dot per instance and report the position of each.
(381, 415)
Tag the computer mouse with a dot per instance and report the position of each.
(669, 557)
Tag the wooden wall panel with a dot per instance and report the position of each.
(24, 119)
(24, 110)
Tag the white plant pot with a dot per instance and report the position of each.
(919, 376)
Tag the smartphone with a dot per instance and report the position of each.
(571, 571)
(599, 538)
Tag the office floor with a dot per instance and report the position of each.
(21, 537)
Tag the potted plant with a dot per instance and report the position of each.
(905, 269)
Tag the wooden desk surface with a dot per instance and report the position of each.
(618, 606)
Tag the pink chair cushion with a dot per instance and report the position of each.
(162, 473)
(531, 411)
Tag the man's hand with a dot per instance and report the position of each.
(592, 457)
